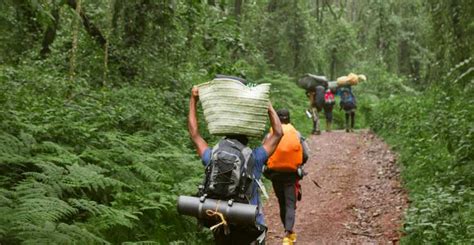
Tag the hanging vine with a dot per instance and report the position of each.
(75, 27)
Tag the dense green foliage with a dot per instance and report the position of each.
(93, 139)
(435, 135)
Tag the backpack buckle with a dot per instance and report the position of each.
(203, 198)
(230, 202)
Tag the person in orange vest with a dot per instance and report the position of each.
(284, 169)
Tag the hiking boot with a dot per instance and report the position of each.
(347, 130)
(292, 237)
(287, 241)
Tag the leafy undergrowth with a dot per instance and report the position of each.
(434, 134)
(84, 165)
(103, 165)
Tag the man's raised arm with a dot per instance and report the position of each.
(271, 142)
(193, 128)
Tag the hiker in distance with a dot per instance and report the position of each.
(349, 105)
(316, 102)
(284, 169)
(329, 102)
(236, 146)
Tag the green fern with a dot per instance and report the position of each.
(147, 172)
(104, 217)
(89, 177)
(42, 209)
(51, 233)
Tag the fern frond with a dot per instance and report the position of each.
(5, 197)
(141, 243)
(113, 217)
(11, 144)
(105, 216)
(89, 177)
(40, 209)
(30, 188)
(87, 205)
(147, 172)
(50, 233)
(13, 161)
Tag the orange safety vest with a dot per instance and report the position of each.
(289, 152)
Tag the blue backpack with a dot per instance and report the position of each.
(347, 100)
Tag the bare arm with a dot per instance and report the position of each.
(193, 128)
(271, 142)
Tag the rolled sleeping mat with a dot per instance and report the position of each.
(310, 82)
(237, 213)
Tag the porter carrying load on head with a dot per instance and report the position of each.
(315, 87)
(228, 201)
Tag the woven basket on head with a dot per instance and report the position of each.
(230, 107)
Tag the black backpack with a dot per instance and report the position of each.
(229, 174)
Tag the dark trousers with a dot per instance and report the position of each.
(350, 113)
(240, 235)
(328, 112)
(286, 194)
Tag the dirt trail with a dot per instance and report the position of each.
(361, 200)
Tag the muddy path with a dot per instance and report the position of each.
(361, 200)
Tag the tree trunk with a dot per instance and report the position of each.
(222, 5)
(317, 11)
(135, 23)
(333, 63)
(272, 5)
(50, 34)
(211, 2)
(404, 65)
(26, 12)
(321, 12)
(298, 34)
(238, 9)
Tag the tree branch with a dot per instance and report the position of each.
(331, 10)
(91, 29)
